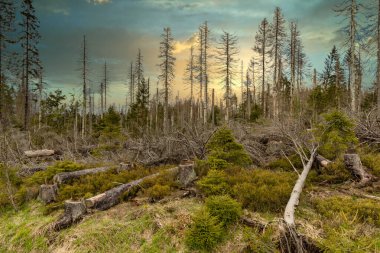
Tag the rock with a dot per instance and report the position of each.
(186, 173)
(48, 193)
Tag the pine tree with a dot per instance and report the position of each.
(7, 14)
(30, 61)
(167, 68)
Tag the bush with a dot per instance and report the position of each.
(363, 210)
(226, 209)
(223, 151)
(336, 134)
(204, 233)
(335, 173)
(158, 191)
(261, 190)
(372, 161)
(215, 183)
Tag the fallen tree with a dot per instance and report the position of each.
(64, 177)
(41, 153)
(75, 210)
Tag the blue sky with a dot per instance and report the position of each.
(115, 29)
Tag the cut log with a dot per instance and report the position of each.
(186, 173)
(27, 172)
(354, 165)
(112, 197)
(322, 161)
(48, 193)
(260, 225)
(125, 166)
(42, 152)
(64, 177)
(74, 212)
(297, 189)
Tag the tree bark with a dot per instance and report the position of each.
(354, 165)
(74, 212)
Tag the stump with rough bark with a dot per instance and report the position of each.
(354, 165)
(186, 173)
(74, 212)
(48, 193)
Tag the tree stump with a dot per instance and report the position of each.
(48, 193)
(186, 173)
(354, 165)
(74, 212)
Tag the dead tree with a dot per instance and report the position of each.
(167, 68)
(354, 165)
(84, 79)
(64, 177)
(227, 52)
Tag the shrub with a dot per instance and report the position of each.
(215, 183)
(261, 190)
(226, 209)
(204, 233)
(158, 191)
(283, 163)
(363, 210)
(334, 173)
(372, 161)
(223, 150)
(336, 134)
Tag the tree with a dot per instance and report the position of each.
(7, 14)
(206, 46)
(349, 9)
(227, 52)
(30, 61)
(262, 47)
(131, 84)
(190, 71)
(167, 68)
(278, 37)
(378, 60)
(294, 37)
(84, 62)
(105, 85)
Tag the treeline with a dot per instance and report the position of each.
(274, 84)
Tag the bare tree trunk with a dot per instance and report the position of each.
(297, 189)
(378, 61)
(213, 107)
(84, 73)
(352, 54)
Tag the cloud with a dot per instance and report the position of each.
(180, 46)
(96, 2)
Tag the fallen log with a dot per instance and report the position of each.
(74, 212)
(354, 165)
(112, 197)
(41, 153)
(297, 189)
(64, 177)
(26, 172)
(322, 161)
(260, 225)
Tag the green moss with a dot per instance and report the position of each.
(372, 161)
(356, 210)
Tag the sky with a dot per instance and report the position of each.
(116, 29)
